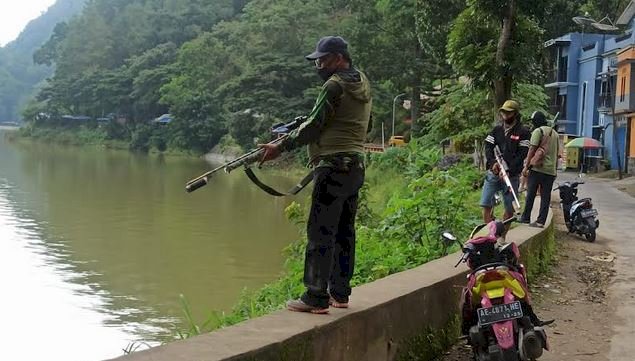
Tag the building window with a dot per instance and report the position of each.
(562, 68)
(606, 92)
(603, 94)
(622, 89)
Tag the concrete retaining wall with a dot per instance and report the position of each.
(401, 317)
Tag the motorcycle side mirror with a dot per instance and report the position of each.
(448, 237)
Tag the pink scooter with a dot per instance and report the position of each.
(498, 320)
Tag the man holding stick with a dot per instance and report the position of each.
(512, 140)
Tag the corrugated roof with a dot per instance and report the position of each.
(627, 15)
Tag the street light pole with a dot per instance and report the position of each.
(394, 105)
(613, 100)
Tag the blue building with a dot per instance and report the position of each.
(589, 85)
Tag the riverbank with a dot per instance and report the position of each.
(97, 138)
(89, 138)
(382, 181)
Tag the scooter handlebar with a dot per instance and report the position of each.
(491, 265)
(571, 185)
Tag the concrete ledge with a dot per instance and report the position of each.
(389, 319)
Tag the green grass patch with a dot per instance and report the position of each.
(431, 343)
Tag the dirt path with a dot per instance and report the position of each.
(573, 293)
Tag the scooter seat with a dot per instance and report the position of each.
(582, 200)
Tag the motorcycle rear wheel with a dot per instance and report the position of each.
(590, 235)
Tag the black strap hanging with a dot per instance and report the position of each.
(293, 191)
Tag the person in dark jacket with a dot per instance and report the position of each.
(334, 131)
(512, 138)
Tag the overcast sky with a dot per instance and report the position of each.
(14, 15)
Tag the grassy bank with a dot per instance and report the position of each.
(101, 136)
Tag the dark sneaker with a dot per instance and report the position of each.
(299, 306)
(334, 303)
(536, 224)
(524, 221)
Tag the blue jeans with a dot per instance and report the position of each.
(493, 183)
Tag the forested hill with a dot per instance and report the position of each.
(234, 67)
(18, 74)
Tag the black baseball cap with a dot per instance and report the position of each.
(329, 45)
(538, 118)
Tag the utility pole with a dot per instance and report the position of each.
(416, 86)
(394, 106)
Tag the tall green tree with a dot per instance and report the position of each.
(253, 65)
(464, 113)
(387, 31)
(495, 43)
(113, 58)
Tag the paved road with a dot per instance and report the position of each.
(617, 223)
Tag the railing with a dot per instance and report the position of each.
(605, 101)
(557, 75)
(373, 148)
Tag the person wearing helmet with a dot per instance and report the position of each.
(540, 171)
(512, 138)
(335, 132)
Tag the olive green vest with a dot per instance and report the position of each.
(345, 130)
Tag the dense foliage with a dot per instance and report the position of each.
(234, 67)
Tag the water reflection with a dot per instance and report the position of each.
(96, 246)
(45, 312)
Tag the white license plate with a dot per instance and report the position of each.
(588, 213)
(499, 313)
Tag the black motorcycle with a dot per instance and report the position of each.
(579, 214)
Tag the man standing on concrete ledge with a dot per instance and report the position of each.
(540, 170)
(334, 132)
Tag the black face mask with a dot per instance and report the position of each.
(325, 73)
(511, 120)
